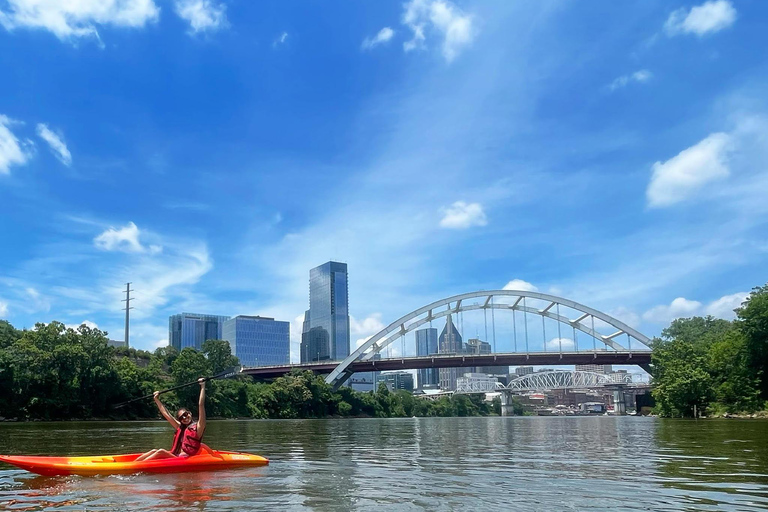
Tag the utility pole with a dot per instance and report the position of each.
(128, 307)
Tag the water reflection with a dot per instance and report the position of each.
(558, 463)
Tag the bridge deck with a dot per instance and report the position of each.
(462, 361)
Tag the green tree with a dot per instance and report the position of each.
(753, 322)
(219, 355)
(681, 380)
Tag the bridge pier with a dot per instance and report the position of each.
(506, 403)
(619, 405)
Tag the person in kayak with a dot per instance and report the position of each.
(189, 434)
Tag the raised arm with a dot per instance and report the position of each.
(173, 421)
(201, 409)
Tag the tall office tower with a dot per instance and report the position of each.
(426, 345)
(480, 347)
(597, 368)
(326, 323)
(450, 343)
(191, 330)
(258, 340)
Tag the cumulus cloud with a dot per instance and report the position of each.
(706, 18)
(77, 18)
(556, 343)
(520, 285)
(683, 308)
(382, 37)
(3, 309)
(441, 17)
(462, 215)
(86, 323)
(11, 150)
(125, 239)
(56, 143)
(724, 306)
(641, 76)
(683, 175)
(202, 15)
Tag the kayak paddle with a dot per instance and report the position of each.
(229, 372)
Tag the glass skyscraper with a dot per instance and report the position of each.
(426, 344)
(258, 340)
(191, 330)
(326, 323)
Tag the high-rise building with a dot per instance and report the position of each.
(480, 347)
(596, 368)
(191, 330)
(326, 323)
(397, 380)
(450, 343)
(426, 345)
(258, 340)
(523, 370)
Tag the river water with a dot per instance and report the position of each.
(536, 463)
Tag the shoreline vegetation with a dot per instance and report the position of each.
(55, 373)
(701, 366)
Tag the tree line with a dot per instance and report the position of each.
(52, 372)
(710, 366)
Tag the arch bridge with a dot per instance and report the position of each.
(551, 380)
(605, 339)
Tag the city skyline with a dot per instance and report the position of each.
(503, 153)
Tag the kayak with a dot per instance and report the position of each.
(126, 464)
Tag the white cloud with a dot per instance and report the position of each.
(462, 215)
(706, 18)
(683, 308)
(11, 150)
(556, 343)
(640, 76)
(77, 18)
(369, 325)
(679, 308)
(684, 174)
(520, 285)
(87, 323)
(56, 142)
(125, 239)
(3, 309)
(280, 40)
(382, 37)
(202, 15)
(724, 306)
(441, 16)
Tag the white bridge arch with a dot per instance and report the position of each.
(494, 300)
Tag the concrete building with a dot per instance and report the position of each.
(596, 368)
(258, 340)
(325, 335)
(480, 347)
(523, 370)
(191, 330)
(116, 343)
(397, 380)
(426, 345)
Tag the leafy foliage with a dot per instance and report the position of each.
(707, 362)
(53, 372)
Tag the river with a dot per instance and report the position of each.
(536, 463)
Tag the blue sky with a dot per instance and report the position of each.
(213, 151)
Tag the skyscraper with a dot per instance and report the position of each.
(326, 324)
(480, 347)
(258, 340)
(191, 330)
(426, 344)
(450, 343)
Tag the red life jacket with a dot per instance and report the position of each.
(186, 440)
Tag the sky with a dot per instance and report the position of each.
(211, 152)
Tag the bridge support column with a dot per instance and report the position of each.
(506, 404)
(619, 405)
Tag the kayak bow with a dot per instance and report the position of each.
(126, 464)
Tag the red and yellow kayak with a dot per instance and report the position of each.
(126, 464)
